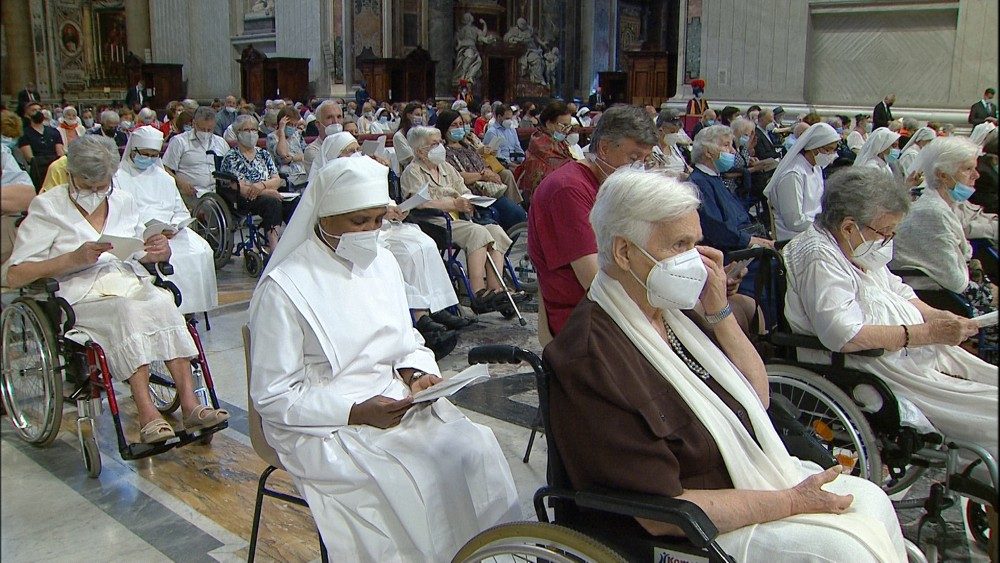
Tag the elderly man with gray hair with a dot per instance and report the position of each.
(109, 128)
(329, 121)
(189, 157)
(561, 243)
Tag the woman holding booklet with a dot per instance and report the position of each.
(337, 367)
(161, 209)
(65, 236)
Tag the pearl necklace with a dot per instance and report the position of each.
(678, 348)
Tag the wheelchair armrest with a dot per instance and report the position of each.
(689, 517)
(157, 268)
(755, 252)
(792, 340)
(43, 285)
(909, 273)
(225, 176)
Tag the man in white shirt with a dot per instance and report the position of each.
(329, 121)
(188, 157)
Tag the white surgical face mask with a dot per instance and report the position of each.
(825, 159)
(572, 138)
(508, 124)
(872, 254)
(675, 283)
(437, 155)
(358, 248)
(247, 138)
(333, 129)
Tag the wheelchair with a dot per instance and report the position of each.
(219, 215)
(857, 417)
(39, 360)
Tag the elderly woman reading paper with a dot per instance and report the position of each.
(335, 362)
(840, 290)
(643, 401)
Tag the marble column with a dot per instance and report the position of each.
(19, 62)
(137, 27)
(441, 27)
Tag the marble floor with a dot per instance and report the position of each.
(196, 503)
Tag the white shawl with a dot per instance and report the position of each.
(751, 467)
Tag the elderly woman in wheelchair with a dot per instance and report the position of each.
(840, 290)
(643, 401)
(78, 234)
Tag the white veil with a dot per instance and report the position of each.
(980, 132)
(879, 140)
(145, 137)
(818, 135)
(333, 145)
(922, 134)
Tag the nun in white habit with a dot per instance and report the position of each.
(141, 174)
(796, 187)
(875, 152)
(428, 287)
(335, 361)
(912, 148)
(979, 132)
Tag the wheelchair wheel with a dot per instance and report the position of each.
(979, 523)
(32, 384)
(518, 256)
(253, 263)
(832, 416)
(214, 223)
(88, 447)
(161, 388)
(534, 541)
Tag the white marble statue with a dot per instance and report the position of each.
(532, 62)
(468, 63)
(551, 62)
(520, 33)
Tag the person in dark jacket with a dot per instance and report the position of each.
(882, 114)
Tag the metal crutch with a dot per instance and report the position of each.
(506, 291)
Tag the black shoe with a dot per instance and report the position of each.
(453, 322)
(483, 302)
(426, 325)
(441, 343)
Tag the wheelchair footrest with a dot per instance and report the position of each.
(138, 450)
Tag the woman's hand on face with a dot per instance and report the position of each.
(394, 214)
(380, 411)
(280, 129)
(424, 382)
(808, 497)
(714, 295)
(88, 253)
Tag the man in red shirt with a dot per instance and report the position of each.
(561, 242)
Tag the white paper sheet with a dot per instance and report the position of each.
(370, 147)
(416, 200)
(480, 200)
(449, 386)
(988, 319)
(155, 227)
(288, 196)
(123, 247)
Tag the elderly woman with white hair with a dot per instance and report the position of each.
(141, 175)
(840, 290)
(447, 192)
(795, 189)
(429, 290)
(146, 116)
(643, 401)
(69, 125)
(724, 221)
(336, 365)
(878, 150)
(931, 238)
(908, 156)
(115, 301)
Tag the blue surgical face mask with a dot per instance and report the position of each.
(710, 123)
(840, 130)
(961, 192)
(142, 161)
(188, 128)
(745, 140)
(894, 154)
(289, 131)
(559, 136)
(725, 162)
(456, 134)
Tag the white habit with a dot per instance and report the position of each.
(795, 198)
(832, 299)
(157, 197)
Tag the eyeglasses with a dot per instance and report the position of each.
(886, 238)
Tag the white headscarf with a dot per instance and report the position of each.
(333, 145)
(922, 134)
(877, 142)
(343, 186)
(818, 135)
(145, 137)
(980, 132)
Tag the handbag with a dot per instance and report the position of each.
(489, 189)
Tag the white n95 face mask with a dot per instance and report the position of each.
(872, 255)
(437, 155)
(359, 248)
(675, 283)
(825, 159)
(333, 129)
